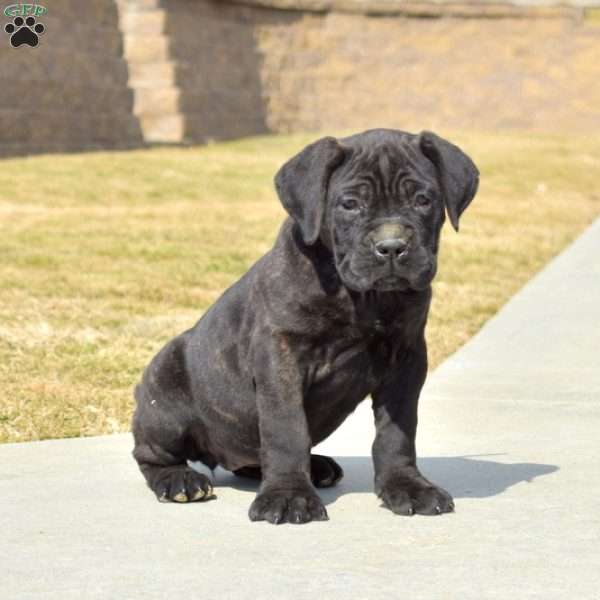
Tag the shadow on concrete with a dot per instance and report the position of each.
(462, 476)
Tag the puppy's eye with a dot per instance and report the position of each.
(349, 204)
(422, 201)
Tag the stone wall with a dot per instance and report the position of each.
(340, 71)
(431, 8)
(71, 91)
(219, 66)
(249, 66)
(195, 68)
(207, 69)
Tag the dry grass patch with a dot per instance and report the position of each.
(107, 255)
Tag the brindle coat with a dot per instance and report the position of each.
(335, 312)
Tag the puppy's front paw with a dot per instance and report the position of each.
(292, 506)
(179, 483)
(410, 496)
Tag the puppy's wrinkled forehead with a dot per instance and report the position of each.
(384, 162)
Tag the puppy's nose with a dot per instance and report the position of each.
(390, 248)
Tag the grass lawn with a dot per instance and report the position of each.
(105, 256)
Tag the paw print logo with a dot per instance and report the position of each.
(24, 31)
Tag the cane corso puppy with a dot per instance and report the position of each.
(335, 312)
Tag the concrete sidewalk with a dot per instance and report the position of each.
(510, 425)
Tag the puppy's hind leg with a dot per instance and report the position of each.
(169, 476)
(324, 471)
(165, 436)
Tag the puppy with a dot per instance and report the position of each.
(333, 313)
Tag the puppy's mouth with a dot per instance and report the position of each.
(384, 282)
(364, 283)
(391, 283)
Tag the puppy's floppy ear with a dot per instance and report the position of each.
(458, 174)
(302, 184)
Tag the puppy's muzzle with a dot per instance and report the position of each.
(390, 249)
(390, 242)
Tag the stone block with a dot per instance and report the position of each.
(71, 95)
(157, 100)
(153, 74)
(143, 22)
(68, 129)
(145, 48)
(163, 128)
(25, 64)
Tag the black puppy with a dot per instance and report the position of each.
(334, 312)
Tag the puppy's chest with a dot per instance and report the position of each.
(361, 344)
(357, 361)
(372, 316)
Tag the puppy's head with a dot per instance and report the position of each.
(377, 200)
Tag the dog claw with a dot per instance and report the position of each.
(293, 506)
(180, 497)
(199, 495)
(407, 499)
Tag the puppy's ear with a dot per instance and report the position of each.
(457, 173)
(302, 184)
